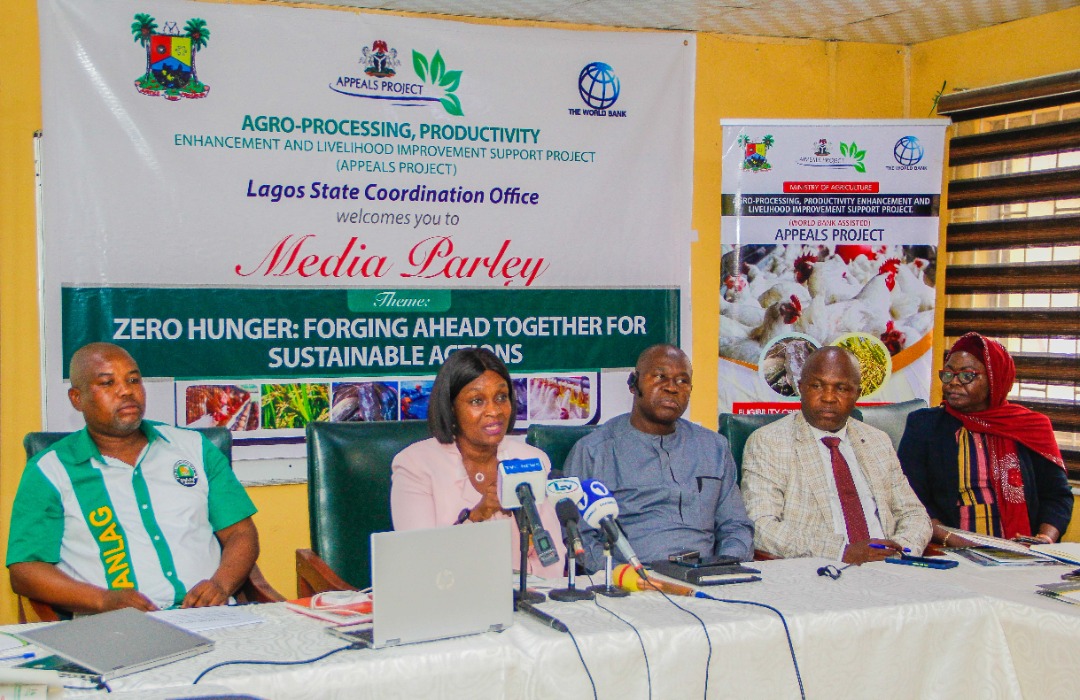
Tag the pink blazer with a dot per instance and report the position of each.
(430, 488)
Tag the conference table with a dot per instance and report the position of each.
(879, 630)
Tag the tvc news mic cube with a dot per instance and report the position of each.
(513, 472)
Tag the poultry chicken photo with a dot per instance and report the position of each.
(822, 293)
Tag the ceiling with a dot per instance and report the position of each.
(875, 21)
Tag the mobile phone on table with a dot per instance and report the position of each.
(925, 562)
(700, 562)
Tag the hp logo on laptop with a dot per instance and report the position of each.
(444, 580)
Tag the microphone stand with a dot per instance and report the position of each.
(607, 589)
(523, 594)
(570, 593)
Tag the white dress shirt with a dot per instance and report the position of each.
(869, 506)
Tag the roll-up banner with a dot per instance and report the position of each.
(829, 237)
(295, 214)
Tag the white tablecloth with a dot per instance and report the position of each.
(880, 631)
(1043, 634)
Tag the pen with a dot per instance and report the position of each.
(875, 545)
(27, 655)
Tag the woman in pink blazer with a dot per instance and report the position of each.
(450, 479)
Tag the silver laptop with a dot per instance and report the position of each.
(439, 583)
(117, 643)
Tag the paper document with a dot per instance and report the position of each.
(202, 619)
(989, 540)
(339, 607)
(989, 555)
(1065, 551)
(9, 643)
(1067, 592)
(27, 684)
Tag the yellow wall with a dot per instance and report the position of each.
(736, 77)
(20, 394)
(1015, 51)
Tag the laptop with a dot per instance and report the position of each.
(116, 643)
(439, 583)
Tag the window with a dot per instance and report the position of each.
(1013, 238)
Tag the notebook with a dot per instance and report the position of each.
(707, 575)
(988, 555)
(1068, 552)
(118, 643)
(439, 583)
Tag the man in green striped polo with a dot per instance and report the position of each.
(128, 512)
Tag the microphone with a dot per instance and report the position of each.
(563, 493)
(518, 480)
(512, 473)
(568, 518)
(549, 620)
(599, 509)
(624, 580)
(564, 488)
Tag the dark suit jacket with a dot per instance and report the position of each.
(928, 455)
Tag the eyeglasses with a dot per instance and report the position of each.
(965, 377)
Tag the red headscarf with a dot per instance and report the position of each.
(1004, 419)
(1005, 425)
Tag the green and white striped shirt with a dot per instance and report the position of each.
(150, 527)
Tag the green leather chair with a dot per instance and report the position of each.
(348, 499)
(736, 427)
(36, 442)
(891, 418)
(557, 440)
(255, 590)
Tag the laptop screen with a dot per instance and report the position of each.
(443, 582)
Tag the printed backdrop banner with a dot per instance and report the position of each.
(292, 214)
(829, 236)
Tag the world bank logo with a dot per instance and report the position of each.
(908, 151)
(598, 85)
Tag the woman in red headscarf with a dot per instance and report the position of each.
(980, 463)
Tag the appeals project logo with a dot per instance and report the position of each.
(823, 157)
(855, 156)
(382, 82)
(754, 158)
(908, 153)
(170, 57)
(599, 88)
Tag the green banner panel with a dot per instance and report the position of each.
(227, 333)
